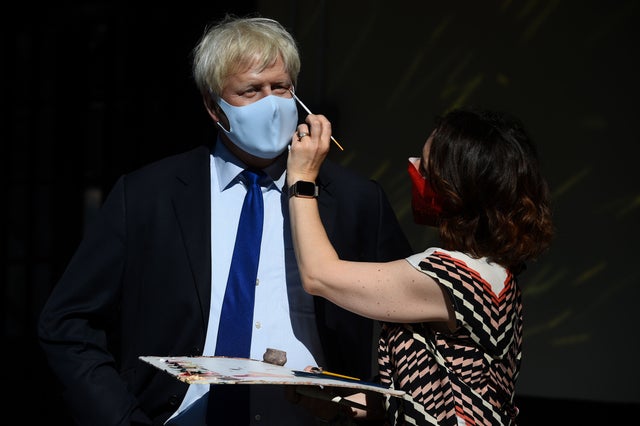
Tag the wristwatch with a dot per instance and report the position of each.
(303, 189)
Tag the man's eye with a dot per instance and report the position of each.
(249, 93)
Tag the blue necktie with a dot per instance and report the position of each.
(234, 330)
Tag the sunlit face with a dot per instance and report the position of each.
(245, 88)
(249, 86)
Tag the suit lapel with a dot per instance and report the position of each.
(327, 203)
(192, 204)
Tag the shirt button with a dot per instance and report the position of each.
(257, 281)
(258, 325)
(257, 417)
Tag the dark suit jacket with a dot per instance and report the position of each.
(140, 284)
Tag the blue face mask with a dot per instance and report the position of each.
(264, 128)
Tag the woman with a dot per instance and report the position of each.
(451, 315)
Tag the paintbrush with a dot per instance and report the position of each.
(309, 112)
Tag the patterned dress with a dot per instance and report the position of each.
(461, 378)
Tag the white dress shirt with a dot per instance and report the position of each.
(278, 281)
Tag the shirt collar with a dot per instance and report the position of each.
(228, 167)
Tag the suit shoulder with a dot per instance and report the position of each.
(333, 174)
(334, 170)
(183, 164)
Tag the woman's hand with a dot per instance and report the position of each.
(330, 403)
(308, 149)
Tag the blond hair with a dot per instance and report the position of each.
(236, 44)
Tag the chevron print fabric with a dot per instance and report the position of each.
(466, 377)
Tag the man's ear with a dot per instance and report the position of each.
(212, 107)
(215, 112)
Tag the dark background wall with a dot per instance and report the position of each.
(95, 89)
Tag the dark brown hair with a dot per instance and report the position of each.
(486, 172)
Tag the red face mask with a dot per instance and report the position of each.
(424, 202)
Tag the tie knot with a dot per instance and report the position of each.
(252, 176)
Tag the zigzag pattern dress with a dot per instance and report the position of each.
(461, 378)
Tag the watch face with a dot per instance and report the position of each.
(307, 189)
(303, 189)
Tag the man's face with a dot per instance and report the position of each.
(249, 86)
(244, 88)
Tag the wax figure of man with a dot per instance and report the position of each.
(149, 276)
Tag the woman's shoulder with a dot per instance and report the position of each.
(456, 261)
(417, 258)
